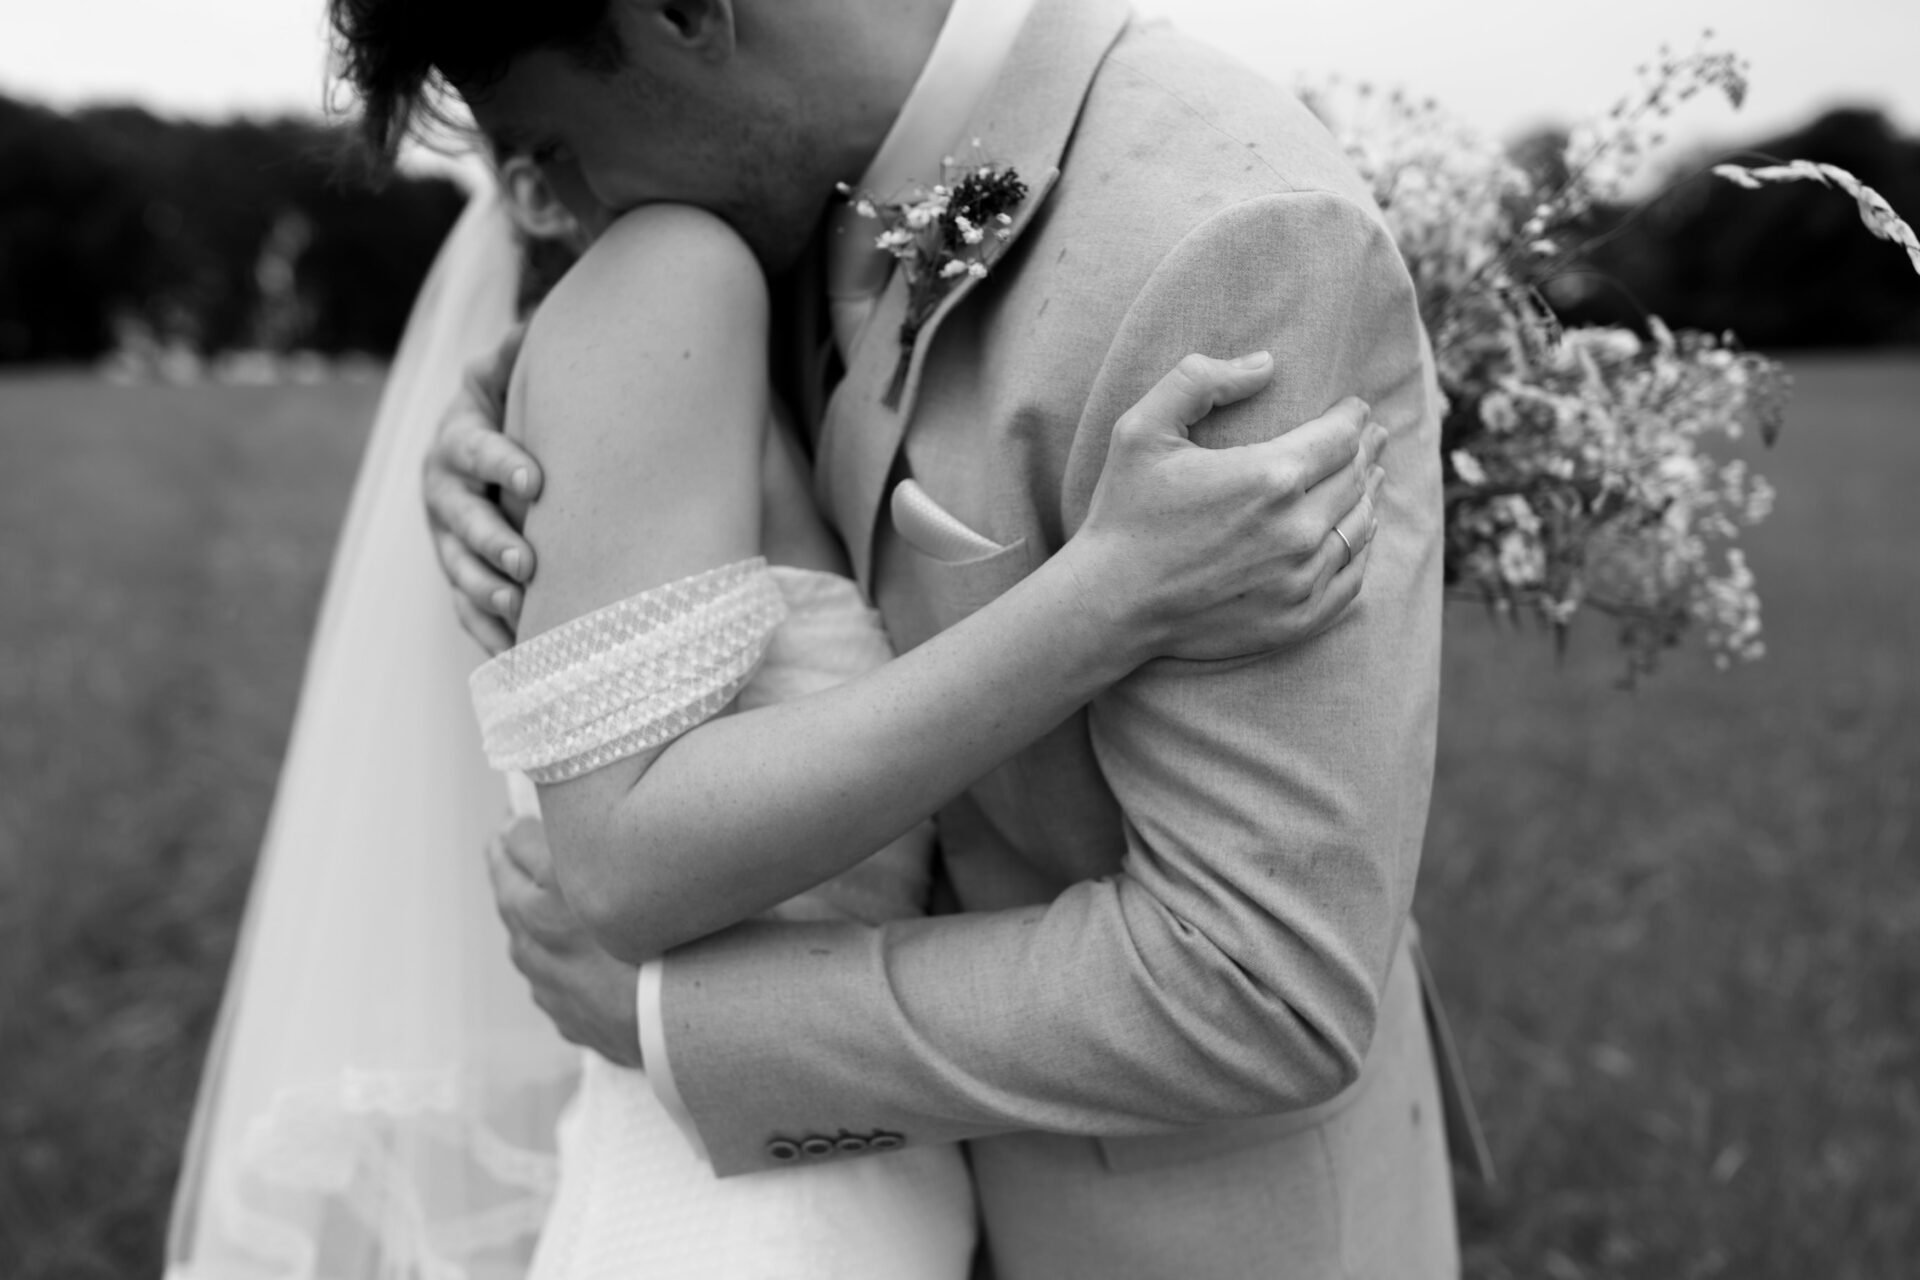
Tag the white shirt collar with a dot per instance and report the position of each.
(972, 46)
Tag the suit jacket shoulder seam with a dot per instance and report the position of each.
(1120, 61)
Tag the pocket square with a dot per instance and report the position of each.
(932, 530)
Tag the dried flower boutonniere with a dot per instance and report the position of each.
(942, 235)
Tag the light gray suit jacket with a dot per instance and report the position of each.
(1176, 1019)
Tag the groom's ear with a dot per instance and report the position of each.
(702, 27)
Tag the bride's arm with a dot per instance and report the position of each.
(643, 391)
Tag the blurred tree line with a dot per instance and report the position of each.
(256, 234)
(237, 234)
(1788, 266)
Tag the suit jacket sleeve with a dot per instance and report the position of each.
(1274, 806)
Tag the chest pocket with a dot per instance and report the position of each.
(931, 570)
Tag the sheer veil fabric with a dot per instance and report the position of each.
(381, 1094)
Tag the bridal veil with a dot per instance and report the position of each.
(381, 1093)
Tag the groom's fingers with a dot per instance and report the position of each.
(518, 894)
(480, 531)
(510, 890)
(471, 445)
(471, 458)
(476, 580)
(488, 631)
(524, 843)
(542, 932)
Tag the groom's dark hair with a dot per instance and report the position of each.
(402, 56)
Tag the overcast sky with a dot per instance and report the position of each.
(1502, 64)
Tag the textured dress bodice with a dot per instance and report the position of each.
(635, 675)
(635, 1199)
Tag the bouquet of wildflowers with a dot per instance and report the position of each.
(1577, 461)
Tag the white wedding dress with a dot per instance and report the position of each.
(381, 1098)
(635, 1200)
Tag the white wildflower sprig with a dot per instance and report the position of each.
(941, 235)
(1603, 156)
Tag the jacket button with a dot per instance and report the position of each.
(817, 1147)
(849, 1145)
(885, 1142)
(783, 1150)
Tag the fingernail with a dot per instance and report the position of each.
(1375, 476)
(522, 481)
(503, 601)
(1255, 360)
(515, 561)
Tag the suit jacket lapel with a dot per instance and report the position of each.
(1025, 122)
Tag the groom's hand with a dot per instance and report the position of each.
(470, 465)
(588, 994)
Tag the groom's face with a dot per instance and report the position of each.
(637, 138)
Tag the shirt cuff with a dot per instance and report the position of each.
(653, 1054)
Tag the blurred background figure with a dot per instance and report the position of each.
(1677, 927)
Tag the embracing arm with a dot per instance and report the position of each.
(747, 810)
(1274, 805)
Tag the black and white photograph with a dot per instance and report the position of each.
(959, 640)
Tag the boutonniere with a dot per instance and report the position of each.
(941, 235)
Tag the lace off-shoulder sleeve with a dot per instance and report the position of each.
(629, 677)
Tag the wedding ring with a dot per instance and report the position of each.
(1344, 543)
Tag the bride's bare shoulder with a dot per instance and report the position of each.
(642, 389)
(663, 316)
(671, 262)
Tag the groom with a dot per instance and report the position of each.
(1175, 1015)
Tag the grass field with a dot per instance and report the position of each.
(1679, 928)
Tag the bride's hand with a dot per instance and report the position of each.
(1202, 553)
